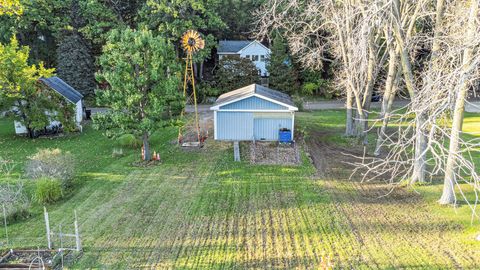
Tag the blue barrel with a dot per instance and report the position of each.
(285, 135)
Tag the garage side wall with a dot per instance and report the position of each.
(234, 126)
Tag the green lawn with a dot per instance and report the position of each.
(199, 209)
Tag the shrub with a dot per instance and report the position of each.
(128, 140)
(298, 101)
(15, 201)
(48, 190)
(52, 163)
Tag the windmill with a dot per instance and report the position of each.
(191, 43)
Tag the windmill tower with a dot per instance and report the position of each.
(191, 43)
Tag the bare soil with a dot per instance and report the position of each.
(273, 153)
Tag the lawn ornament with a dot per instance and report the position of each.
(191, 42)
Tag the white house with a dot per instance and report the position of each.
(253, 50)
(70, 94)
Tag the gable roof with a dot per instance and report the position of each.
(62, 88)
(232, 46)
(258, 91)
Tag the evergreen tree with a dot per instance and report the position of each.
(141, 72)
(235, 72)
(282, 74)
(75, 63)
(74, 60)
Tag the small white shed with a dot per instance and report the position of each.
(68, 92)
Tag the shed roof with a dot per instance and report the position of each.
(62, 88)
(255, 90)
(232, 46)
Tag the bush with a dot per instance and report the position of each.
(52, 163)
(298, 101)
(48, 190)
(129, 140)
(15, 201)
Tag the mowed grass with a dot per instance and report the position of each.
(201, 210)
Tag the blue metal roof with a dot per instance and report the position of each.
(232, 46)
(63, 88)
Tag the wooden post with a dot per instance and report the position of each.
(5, 222)
(236, 151)
(47, 225)
(77, 234)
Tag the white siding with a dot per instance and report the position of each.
(78, 112)
(256, 49)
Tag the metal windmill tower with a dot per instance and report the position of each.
(191, 43)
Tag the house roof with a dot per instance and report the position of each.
(62, 88)
(255, 90)
(232, 46)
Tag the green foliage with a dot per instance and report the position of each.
(11, 7)
(48, 190)
(20, 89)
(172, 18)
(237, 15)
(282, 74)
(235, 72)
(75, 63)
(315, 84)
(128, 140)
(298, 101)
(142, 75)
(52, 163)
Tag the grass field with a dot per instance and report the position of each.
(201, 210)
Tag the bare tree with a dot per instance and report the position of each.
(466, 72)
(350, 30)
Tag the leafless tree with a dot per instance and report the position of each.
(351, 30)
(451, 70)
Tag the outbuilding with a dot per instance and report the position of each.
(253, 112)
(66, 91)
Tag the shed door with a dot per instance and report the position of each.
(235, 126)
(267, 127)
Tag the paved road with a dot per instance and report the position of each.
(472, 106)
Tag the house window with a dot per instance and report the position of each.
(247, 56)
(262, 58)
(254, 57)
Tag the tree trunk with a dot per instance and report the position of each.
(421, 139)
(146, 147)
(448, 195)
(350, 130)
(388, 98)
(200, 75)
(367, 95)
(421, 144)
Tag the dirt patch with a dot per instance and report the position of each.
(274, 153)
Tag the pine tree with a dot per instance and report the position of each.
(75, 63)
(282, 74)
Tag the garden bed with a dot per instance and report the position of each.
(274, 153)
(27, 259)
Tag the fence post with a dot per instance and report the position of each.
(5, 222)
(47, 225)
(77, 234)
